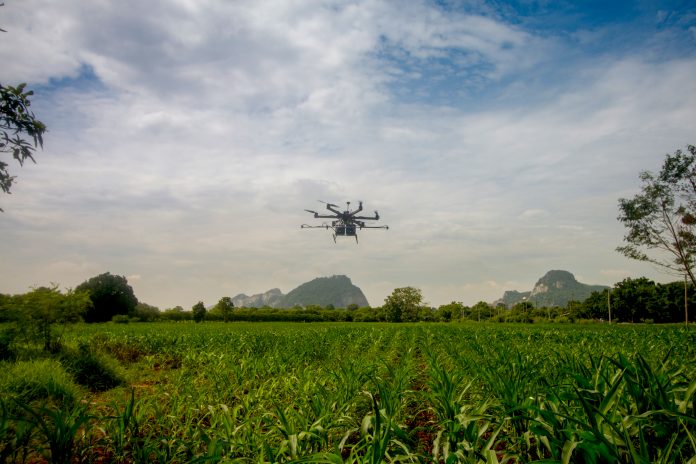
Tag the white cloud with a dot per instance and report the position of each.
(215, 124)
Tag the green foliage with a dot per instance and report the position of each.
(451, 311)
(60, 427)
(662, 216)
(481, 311)
(91, 369)
(41, 310)
(403, 304)
(110, 295)
(176, 313)
(20, 132)
(146, 313)
(41, 380)
(353, 393)
(223, 309)
(198, 311)
(637, 300)
(7, 337)
(7, 310)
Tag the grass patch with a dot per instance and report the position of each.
(40, 380)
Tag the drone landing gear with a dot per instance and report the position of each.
(356, 237)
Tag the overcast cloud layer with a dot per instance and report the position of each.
(186, 138)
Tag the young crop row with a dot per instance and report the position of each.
(366, 393)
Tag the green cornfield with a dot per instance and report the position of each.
(358, 393)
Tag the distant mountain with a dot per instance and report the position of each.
(337, 290)
(271, 298)
(556, 288)
(512, 297)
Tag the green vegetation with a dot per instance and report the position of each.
(404, 304)
(43, 380)
(42, 315)
(198, 312)
(358, 393)
(223, 309)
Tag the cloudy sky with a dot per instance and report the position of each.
(186, 137)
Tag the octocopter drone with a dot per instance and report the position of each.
(345, 223)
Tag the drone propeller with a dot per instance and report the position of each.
(327, 204)
(310, 211)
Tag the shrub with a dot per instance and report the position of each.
(120, 319)
(123, 351)
(7, 352)
(93, 370)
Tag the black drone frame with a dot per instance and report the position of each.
(346, 223)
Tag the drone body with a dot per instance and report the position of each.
(345, 223)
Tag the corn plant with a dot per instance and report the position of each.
(59, 428)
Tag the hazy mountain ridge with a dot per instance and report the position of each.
(271, 298)
(337, 290)
(555, 288)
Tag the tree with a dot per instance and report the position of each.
(481, 309)
(20, 132)
(663, 216)
(176, 313)
(632, 300)
(199, 312)
(403, 305)
(110, 295)
(669, 302)
(223, 308)
(453, 310)
(40, 310)
(146, 313)
(595, 306)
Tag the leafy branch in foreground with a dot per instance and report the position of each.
(20, 131)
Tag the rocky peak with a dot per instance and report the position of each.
(555, 280)
(555, 288)
(270, 298)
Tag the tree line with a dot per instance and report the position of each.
(43, 313)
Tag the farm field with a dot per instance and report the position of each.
(283, 392)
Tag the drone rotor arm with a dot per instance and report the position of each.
(331, 207)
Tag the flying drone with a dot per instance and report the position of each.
(345, 223)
